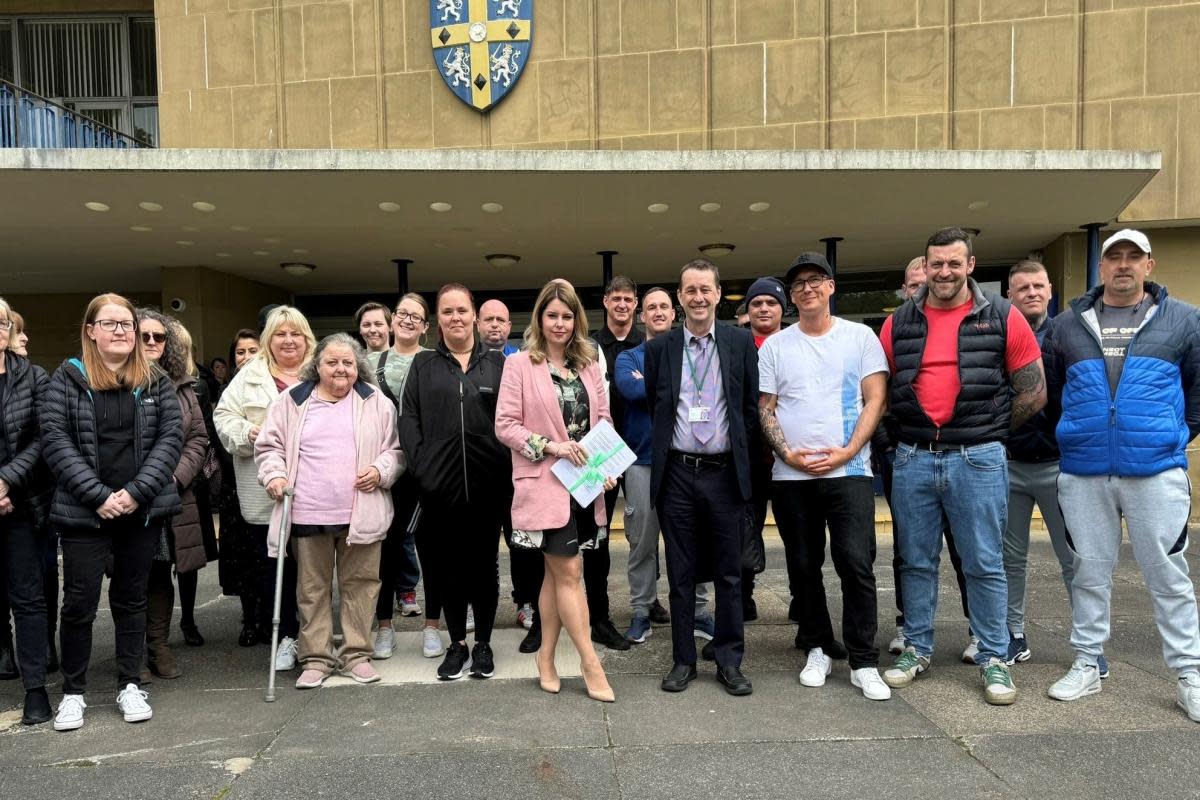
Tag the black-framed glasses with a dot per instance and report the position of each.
(110, 325)
(409, 316)
(811, 282)
(157, 338)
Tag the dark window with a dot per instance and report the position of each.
(143, 65)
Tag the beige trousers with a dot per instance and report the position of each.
(358, 581)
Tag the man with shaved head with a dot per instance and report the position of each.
(495, 326)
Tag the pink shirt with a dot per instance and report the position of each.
(325, 469)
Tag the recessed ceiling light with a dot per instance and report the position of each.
(189, 228)
(758, 207)
(272, 240)
(93, 205)
(207, 208)
(716, 249)
(297, 268)
(978, 205)
(502, 259)
(709, 208)
(262, 252)
(441, 208)
(224, 255)
(146, 205)
(389, 207)
(141, 228)
(239, 228)
(185, 243)
(492, 208)
(657, 208)
(301, 251)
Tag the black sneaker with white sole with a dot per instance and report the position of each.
(456, 663)
(482, 663)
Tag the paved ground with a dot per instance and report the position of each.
(213, 736)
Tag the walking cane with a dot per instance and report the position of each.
(285, 528)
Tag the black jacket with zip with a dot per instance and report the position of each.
(71, 450)
(448, 428)
(25, 473)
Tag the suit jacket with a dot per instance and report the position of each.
(528, 404)
(739, 378)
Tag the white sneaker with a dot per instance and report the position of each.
(896, 646)
(70, 713)
(1189, 695)
(816, 668)
(1081, 680)
(972, 650)
(285, 659)
(470, 618)
(525, 616)
(431, 643)
(872, 685)
(385, 643)
(131, 702)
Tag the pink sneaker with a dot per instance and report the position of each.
(362, 672)
(311, 679)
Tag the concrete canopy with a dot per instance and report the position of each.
(351, 212)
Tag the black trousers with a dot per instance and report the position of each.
(702, 514)
(802, 510)
(394, 559)
(527, 568)
(460, 550)
(885, 472)
(24, 553)
(597, 563)
(131, 542)
(289, 620)
(760, 495)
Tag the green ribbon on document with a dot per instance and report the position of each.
(591, 473)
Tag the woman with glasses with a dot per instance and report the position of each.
(447, 432)
(552, 395)
(287, 346)
(398, 568)
(24, 493)
(238, 565)
(112, 436)
(182, 541)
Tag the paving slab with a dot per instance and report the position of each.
(129, 782)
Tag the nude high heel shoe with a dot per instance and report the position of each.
(548, 682)
(602, 695)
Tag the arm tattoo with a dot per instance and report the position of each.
(1029, 385)
(772, 432)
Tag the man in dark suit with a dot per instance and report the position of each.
(702, 391)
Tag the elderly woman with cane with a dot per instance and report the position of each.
(342, 509)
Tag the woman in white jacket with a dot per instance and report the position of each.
(287, 346)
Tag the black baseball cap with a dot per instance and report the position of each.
(807, 260)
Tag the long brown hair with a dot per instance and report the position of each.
(580, 350)
(137, 372)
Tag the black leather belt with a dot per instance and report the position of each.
(941, 447)
(697, 460)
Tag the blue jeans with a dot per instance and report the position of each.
(970, 486)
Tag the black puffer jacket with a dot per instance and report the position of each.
(28, 480)
(70, 448)
(448, 428)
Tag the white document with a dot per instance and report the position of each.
(608, 457)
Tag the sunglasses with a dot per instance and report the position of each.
(157, 338)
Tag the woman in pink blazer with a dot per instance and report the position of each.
(551, 394)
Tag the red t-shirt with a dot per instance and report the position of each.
(937, 383)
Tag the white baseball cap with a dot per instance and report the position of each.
(1137, 238)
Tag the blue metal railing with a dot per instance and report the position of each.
(29, 120)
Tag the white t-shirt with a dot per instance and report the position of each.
(818, 380)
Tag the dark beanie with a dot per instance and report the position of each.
(770, 286)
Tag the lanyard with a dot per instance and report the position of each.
(698, 384)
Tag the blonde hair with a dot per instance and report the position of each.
(580, 351)
(137, 372)
(285, 315)
(185, 343)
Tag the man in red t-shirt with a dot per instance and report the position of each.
(966, 369)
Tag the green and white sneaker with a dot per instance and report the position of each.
(998, 687)
(906, 667)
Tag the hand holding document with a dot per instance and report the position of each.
(607, 457)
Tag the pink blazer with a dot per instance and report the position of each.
(528, 405)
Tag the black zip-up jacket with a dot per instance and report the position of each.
(448, 428)
(613, 347)
(25, 473)
(70, 448)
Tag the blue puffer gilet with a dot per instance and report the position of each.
(1144, 429)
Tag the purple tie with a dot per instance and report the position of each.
(707, 390)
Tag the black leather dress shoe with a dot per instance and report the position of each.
(749, 610)
(532, 641)
(8, 665)
(734, 681)
(606, 633)
(37, 707)
(708, 652)
(679, 677)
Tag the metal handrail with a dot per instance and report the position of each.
(22, 126)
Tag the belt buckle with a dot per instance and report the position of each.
(690, 460)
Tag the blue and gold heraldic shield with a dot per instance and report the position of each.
(480, 47)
